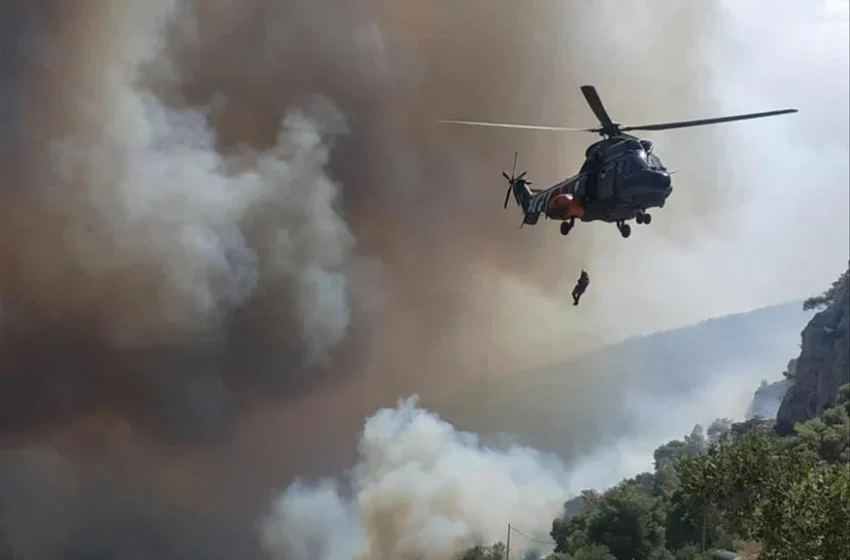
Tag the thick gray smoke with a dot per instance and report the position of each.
(229, 230)
(128, 231)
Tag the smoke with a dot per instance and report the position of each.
(174, 183)
(420, 489)
(229, 230)
(134, 234)
(656, 418)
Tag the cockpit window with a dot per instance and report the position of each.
(635, 162)
(655, 162)
(623, 147)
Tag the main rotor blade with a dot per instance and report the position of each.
(521, 126)
(701, 122)
(596, 106)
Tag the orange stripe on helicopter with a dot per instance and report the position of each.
(566, 205)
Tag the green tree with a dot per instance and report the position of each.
(644, 481)
(665, 479)
(574, 505)
(570, 531)
(683, 526)
(592, 552)
(772, 493)
(625, 520)
(668, 453)
(628, 522)
(811, 520)
(479, 552)
(825, 438)
(830, 295)
(695, 442)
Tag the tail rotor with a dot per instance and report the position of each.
(508, 192)
(513, 180)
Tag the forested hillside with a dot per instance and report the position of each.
(768, 493)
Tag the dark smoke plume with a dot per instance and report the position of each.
(187, 222)
(230, 229)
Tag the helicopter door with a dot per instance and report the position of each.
(605, 185)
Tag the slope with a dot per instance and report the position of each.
(639, 386)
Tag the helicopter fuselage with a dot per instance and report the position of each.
(621, 179)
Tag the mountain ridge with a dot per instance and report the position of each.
(600, 394)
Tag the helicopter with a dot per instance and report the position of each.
(621, 177)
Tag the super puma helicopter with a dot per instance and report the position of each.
(621, 177)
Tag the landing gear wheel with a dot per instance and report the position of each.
(625, 230)
(643, 218)
(566, 227)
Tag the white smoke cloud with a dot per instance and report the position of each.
(420, 490)
(140, 189)
(424, 489)
(659, 418)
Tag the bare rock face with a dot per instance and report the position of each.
(824, 361)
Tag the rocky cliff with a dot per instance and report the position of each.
(824, 361)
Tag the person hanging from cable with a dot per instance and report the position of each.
(580, 287)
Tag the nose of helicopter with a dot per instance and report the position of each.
(660, 179)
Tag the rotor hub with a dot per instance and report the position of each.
(611, 130)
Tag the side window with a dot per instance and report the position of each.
(655, 162)
(606, 180)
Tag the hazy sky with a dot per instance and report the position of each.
(782, 186)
